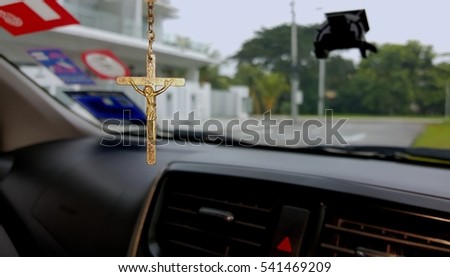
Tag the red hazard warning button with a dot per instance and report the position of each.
(291, 228)
(285, 245)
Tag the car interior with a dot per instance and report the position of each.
(63, 193)
(70, 189)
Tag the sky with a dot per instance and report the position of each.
(227, 24)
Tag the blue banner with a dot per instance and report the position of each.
(61, 65)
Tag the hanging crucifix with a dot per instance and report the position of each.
(150, 85)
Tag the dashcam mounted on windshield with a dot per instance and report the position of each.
(343, 30)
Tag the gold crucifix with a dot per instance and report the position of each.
(150, 83)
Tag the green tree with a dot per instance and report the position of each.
(432, 98)
(249, 75)
(339, 74)
(270, 51)
(271, 86)
(396, 81)
(211, 74)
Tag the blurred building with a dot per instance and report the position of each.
(121, 27)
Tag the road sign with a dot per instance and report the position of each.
(299, 97)
(105, 64)
(21, 17)
(61, 65)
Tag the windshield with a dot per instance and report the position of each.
(280, 73)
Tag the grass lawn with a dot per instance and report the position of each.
(435, 136)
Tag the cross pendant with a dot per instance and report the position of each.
(150, 91)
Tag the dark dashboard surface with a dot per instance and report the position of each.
(81, 198)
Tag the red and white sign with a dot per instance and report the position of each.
(21, 17)
(104, 64)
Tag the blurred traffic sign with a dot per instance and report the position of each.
(20, 17)
(105, 64)
(299, 97)
(61, 65)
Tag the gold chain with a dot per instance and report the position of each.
(151, 32)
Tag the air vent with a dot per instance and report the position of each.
(215, 216)
(384, 232)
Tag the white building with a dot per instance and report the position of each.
(121, 26)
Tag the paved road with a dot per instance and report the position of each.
(283, 132)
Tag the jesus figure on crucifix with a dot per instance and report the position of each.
(150, 83)
(150, 94)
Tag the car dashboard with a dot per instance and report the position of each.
(81, 197)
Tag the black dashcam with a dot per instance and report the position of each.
(343, 30)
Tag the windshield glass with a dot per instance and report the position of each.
(281, 73)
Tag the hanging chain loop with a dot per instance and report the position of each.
(151, 32)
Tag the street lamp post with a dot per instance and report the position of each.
(294, 70)
(321, 100)
(447, 93)
(447, 101)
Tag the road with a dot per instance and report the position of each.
(320, 131)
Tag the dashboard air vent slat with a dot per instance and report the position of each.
(380, 232)
(188, 225)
